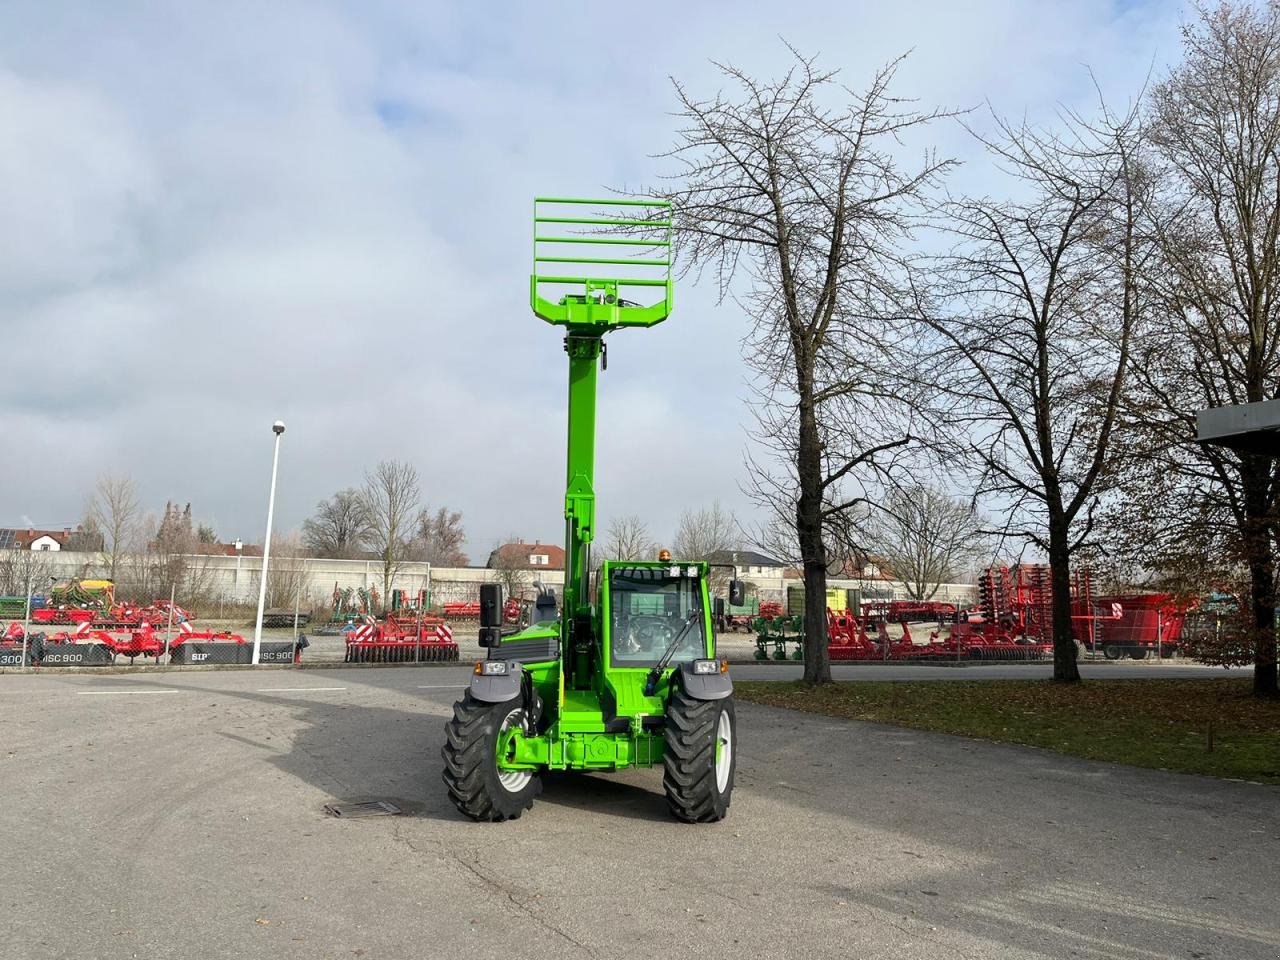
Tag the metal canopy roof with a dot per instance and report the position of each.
(1246, 427)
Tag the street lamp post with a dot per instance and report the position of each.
(278, 429)
(26, 624)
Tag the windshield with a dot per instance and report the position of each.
(648, 607)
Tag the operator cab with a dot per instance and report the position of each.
(653, 606)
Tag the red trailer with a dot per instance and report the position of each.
(1141, 625)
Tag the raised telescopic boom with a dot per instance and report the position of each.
(580, 237)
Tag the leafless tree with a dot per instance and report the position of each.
(1216, 129)
(793, 185)
(1031, 337)
(509, 567)
(341, 527)
(288, 578)
(627, 538)
(23, 570)
(703, 533)
(85, 538)
(926, 538)
(438, 538)
(116, 512)
(391, 494)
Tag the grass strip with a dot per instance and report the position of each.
(1211, 727)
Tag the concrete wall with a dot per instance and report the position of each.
(235, 579)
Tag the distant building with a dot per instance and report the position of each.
(13, 538)
(749, 563)
(527, 556)
(238, 548)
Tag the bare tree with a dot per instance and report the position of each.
(926, 538)
(391, 495)
(1216, 129)
(438, 538)
(1033, 334)
(288, 578)
(341, 527)
(509, 567)
(627, 538)
(23, 570)
(86, 537)
(704, 533)
(809, 203)
(116, 512)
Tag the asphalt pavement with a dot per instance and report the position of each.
(181, 815)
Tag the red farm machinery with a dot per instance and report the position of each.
(401, 638)
(1012, 621)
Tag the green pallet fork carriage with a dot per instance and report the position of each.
(620, 671)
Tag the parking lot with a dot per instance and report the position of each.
(181, 814)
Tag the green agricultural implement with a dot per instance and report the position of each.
(624, 673)
(773, 632)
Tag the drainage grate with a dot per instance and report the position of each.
(365, 808)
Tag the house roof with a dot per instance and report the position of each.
(517, 555)
(22, 538)
(746, 558)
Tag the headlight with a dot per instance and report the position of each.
(492, 668)
(706, 666)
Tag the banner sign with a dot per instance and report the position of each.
(194, 651)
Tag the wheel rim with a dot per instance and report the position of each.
(724, 751)
(513, 781)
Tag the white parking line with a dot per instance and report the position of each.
(440, 686)
(297, 689)
(106, 693)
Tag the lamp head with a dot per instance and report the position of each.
(278, 427)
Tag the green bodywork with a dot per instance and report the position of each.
(597, 714)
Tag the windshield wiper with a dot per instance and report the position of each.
(651, 681)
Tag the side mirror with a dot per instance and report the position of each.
(719, 606)
(491, 609)
(737, 593)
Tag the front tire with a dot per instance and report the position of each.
(477, 787)
(700, 757)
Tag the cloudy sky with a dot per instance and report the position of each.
(214, 215)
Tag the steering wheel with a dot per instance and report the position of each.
(648, 633)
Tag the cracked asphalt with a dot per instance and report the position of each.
(180, 815)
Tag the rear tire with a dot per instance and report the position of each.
(1138, 653)
(476, 786)
(700, 757)
(1112, 651)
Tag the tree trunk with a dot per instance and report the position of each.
(1255, 479)
(813, 551)
(1065, 668)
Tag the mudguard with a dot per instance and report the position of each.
(705, 686)
(498, 688)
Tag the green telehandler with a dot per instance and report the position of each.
(623, 671)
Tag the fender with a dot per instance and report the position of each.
(704, 686)
(498, 688)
